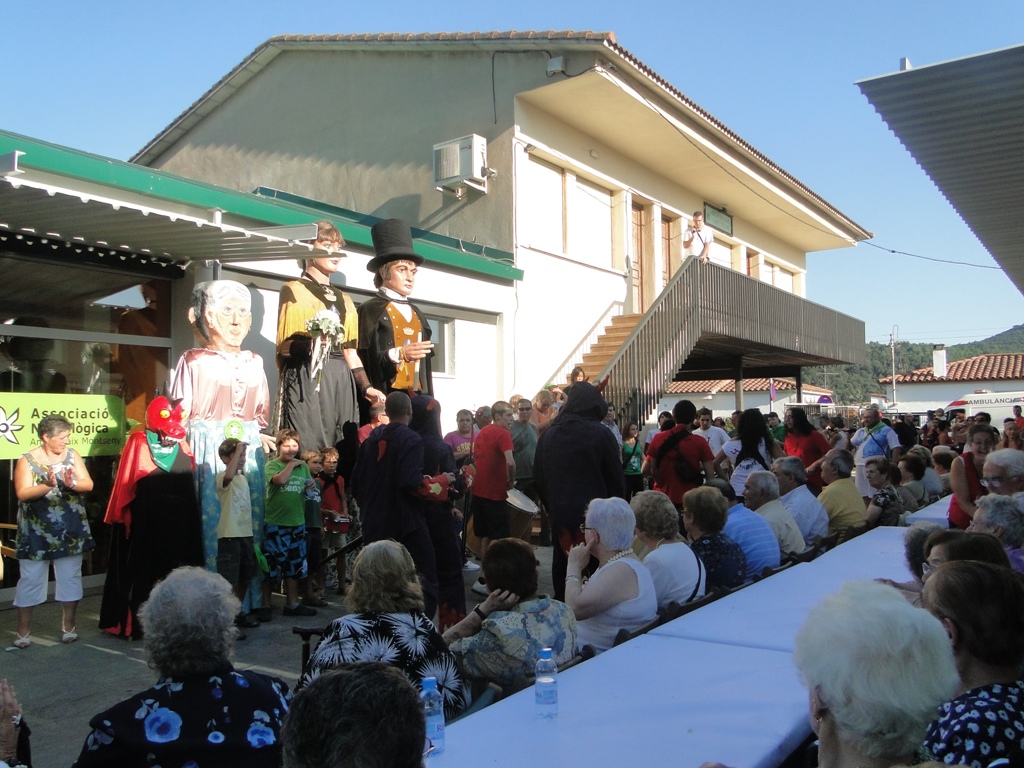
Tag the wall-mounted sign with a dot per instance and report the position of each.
(718, 218)
(98, 422)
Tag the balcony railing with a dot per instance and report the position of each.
(710, 299)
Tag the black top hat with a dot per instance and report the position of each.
(392, 240)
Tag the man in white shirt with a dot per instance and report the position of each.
(716, 436)
(697, 239)
(811, 518)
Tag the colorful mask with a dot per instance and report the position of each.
(166, 419)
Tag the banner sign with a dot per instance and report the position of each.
(98, 422)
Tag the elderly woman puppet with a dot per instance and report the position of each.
(223, 389)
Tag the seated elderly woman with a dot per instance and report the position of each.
(886, 506)
(876, 669)
(620, 594)
(1003, 517)
(203, 711)
(981, 607)
(931, 480)
(362, 715)
(912, 469)
(705, 511)
(387, 624)
(949, 544)
(679, 575)
(500, 640)
(913, 554)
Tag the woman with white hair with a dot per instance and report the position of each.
(876, 669)
(202, 711)
(620, 594)
(1003, 517)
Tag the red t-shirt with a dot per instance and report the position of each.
(332, 493)
(808, 448)
(491, 481)
(693, 448)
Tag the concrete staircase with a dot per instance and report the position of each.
(608, 344)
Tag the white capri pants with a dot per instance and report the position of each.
(31, 589)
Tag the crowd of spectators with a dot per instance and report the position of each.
(636, 525)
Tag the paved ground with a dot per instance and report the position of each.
(62, 687)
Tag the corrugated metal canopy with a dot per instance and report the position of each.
(963, 121)
(32, 205)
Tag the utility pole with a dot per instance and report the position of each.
(892, 344)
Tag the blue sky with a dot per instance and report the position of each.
(106, 77)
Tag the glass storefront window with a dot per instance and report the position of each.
(62, 330)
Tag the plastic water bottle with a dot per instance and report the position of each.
(546, 688)
(433, 710)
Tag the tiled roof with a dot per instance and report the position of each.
(980, 368)
(436, 37)
(729, 385)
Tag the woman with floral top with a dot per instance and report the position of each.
(387, 624)
(49, 482)
(500, 640)
(886, 506)
(202, 712)
(981, 606)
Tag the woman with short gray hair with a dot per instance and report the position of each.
(49, 482)
(1003, 517)
(679, 576)
(202, 711)
(620, 593)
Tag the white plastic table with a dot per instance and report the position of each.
(934, 513)
(768, 614)
(654, 701)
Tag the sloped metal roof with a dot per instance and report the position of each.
(963, 122)
(78, 202)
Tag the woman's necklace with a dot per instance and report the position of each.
(618, 556)
(659, 543)
(329, 293)
(50, 460)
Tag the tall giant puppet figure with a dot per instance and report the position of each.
(317, 338)
(394, 335)
(225, 392)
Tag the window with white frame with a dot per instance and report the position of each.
(590, 223)
(561, 213)
(541, 206)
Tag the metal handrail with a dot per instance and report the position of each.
(718, 300)
(656, 348)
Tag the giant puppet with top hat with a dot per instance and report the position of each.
(394, 337)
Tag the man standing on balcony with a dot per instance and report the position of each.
(697, 239)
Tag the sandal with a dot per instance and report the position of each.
(22, 642)
(69, 635)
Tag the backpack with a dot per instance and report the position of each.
(684, 469)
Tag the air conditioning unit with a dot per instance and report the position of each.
(460, 164)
